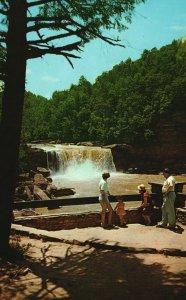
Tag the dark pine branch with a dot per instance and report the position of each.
(48, 19)
(51, 38)
(39, 26)
(78, 33)
(3, 33)
(3, 12)
(34, 52)
(2, 77)
(39, 2)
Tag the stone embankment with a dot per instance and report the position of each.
(79, 220)
(64, 221)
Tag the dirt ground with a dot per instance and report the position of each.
(62, 271)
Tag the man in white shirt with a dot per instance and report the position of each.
(104, 200)
(169, 196)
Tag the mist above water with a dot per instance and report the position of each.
(82, 171)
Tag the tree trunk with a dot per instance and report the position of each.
(11, 120)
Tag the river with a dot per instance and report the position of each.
(119, 184)
(80, 168)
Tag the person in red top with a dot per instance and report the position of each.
(146, 204)
(120, 211)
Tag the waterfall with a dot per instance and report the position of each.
(80, 162)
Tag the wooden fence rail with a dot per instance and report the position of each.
(68, 201)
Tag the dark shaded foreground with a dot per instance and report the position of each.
(62, 271)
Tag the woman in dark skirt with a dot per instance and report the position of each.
(146, 204)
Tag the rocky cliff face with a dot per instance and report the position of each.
(168, 151)
(37, 157)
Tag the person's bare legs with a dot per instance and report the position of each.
(103, 213)
(147, 219)
(110, 209)
(105, 205)
(144, 218)
(121, 219)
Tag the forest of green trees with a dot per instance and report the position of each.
(122, 106)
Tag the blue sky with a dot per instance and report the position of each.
(155, 23)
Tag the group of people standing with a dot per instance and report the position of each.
(147, 204)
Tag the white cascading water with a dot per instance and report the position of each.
(81, 167)
(81, 163)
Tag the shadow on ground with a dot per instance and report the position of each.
(96, 274)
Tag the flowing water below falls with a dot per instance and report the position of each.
(80, 167)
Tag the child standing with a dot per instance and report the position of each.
(120, 211)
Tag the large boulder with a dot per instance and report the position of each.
(24, 177)
(37, 157)
(45, 172)
(90, 144)
(122, 156)
(64, 192)
(29, 193)
(40, 181)
(39, 194)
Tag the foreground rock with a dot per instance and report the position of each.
(37, 186)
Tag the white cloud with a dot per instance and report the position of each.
(50, 78)
(178, 27)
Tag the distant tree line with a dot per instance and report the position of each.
(123, 105)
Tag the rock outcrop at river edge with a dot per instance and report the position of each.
(37, 185)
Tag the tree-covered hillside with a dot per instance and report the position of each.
(123, 105)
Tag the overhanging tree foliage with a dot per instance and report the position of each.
(27, 34)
